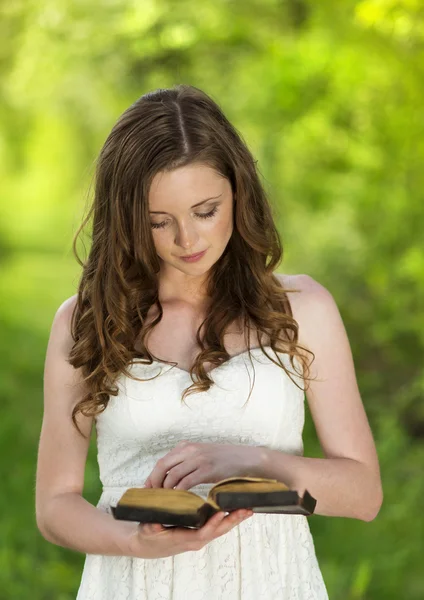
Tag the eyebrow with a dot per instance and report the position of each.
(162, 212)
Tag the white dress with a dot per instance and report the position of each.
(266, 557)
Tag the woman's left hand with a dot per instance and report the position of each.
(191, 463)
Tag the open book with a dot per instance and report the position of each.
(183, 508)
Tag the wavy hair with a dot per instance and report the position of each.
(163, 130)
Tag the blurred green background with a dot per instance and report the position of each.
(329, 98)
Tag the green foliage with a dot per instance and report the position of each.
(329, 98)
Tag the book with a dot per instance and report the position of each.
(182, 508)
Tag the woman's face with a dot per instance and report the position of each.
(180, 228)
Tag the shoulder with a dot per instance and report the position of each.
(313, 307)
(308, 294)
(60, 333)
(68, 305)
(65, 311)
(305, 283)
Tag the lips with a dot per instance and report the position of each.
(193, 255)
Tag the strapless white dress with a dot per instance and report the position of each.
(266, 557)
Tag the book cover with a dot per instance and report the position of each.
(183, 508)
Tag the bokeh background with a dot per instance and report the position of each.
(329, 97)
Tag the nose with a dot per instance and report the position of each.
(186, 236)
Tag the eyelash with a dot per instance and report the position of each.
(202, 216)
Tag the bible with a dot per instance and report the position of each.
(182, 508)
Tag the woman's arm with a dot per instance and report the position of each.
(63, 516)
(343, 487)
(347, 482)
(70, 521)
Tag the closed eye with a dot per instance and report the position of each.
(207, 215)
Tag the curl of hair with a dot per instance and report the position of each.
(161, 131)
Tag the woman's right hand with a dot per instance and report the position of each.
(152, 540)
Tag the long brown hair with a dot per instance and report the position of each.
(163, 130)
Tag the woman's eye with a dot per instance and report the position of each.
(207, 215)
(157, 225)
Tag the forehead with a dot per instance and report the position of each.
(185, 185)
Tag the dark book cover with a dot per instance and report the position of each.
(183, 508)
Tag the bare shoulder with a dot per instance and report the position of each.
(306, 285)
(61, 326)
(309, 298)
(63, 384)
(311, 301)
(308, 291)
(67, 307)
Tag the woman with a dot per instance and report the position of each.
(175, 179)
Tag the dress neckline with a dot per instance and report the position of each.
(222, 365)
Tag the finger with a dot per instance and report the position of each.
(163, 466)
(212, 524)
(183, 477)
(233, 519)
(152, 528)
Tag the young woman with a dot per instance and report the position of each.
(189, 354)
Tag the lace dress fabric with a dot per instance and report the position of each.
(266, 557)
